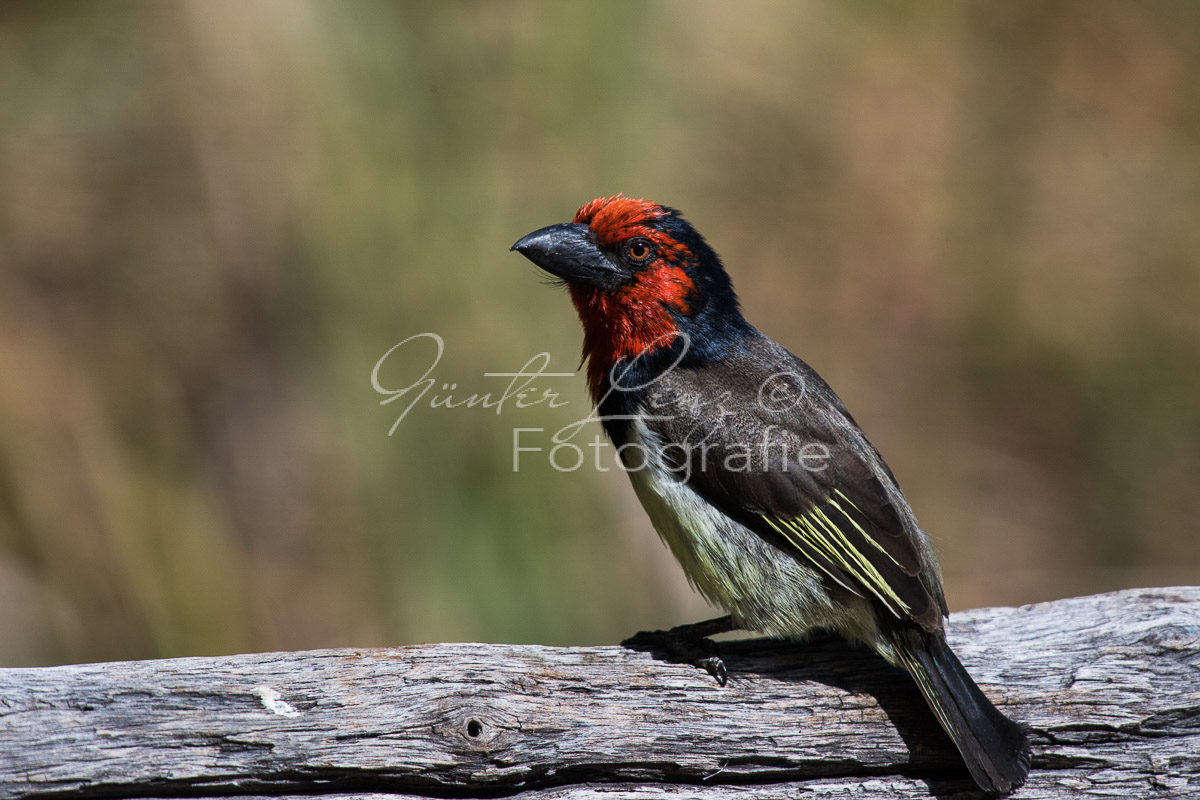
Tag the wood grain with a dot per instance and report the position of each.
(1110, 685)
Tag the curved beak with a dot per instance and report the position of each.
(568, 251)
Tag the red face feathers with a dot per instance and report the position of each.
(640, 316)
(639, 275)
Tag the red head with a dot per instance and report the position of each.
(639, 275)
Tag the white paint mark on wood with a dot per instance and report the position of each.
(272, 701)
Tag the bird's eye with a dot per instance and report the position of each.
(638, 250)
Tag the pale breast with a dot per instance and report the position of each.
(764, 588)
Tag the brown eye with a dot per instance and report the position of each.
(638, 250)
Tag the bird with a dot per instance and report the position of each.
(767, 492)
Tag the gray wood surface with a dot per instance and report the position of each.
(1110, 685)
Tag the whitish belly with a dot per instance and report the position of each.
(765, 588)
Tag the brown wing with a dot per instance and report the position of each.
(791, 465)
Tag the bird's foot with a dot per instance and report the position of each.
(689, 644)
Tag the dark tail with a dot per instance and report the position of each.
(995, 748)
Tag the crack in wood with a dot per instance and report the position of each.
(476, 721)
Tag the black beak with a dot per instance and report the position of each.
(568, 251)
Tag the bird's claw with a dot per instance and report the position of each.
(698, 651)
(716, 667)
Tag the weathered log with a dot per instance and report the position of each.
(1109, 684)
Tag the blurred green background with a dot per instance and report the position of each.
(977, 219)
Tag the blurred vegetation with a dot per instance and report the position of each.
(977, 220)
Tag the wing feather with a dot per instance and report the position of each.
(845, 516)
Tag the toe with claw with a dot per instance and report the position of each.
(689, 644)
